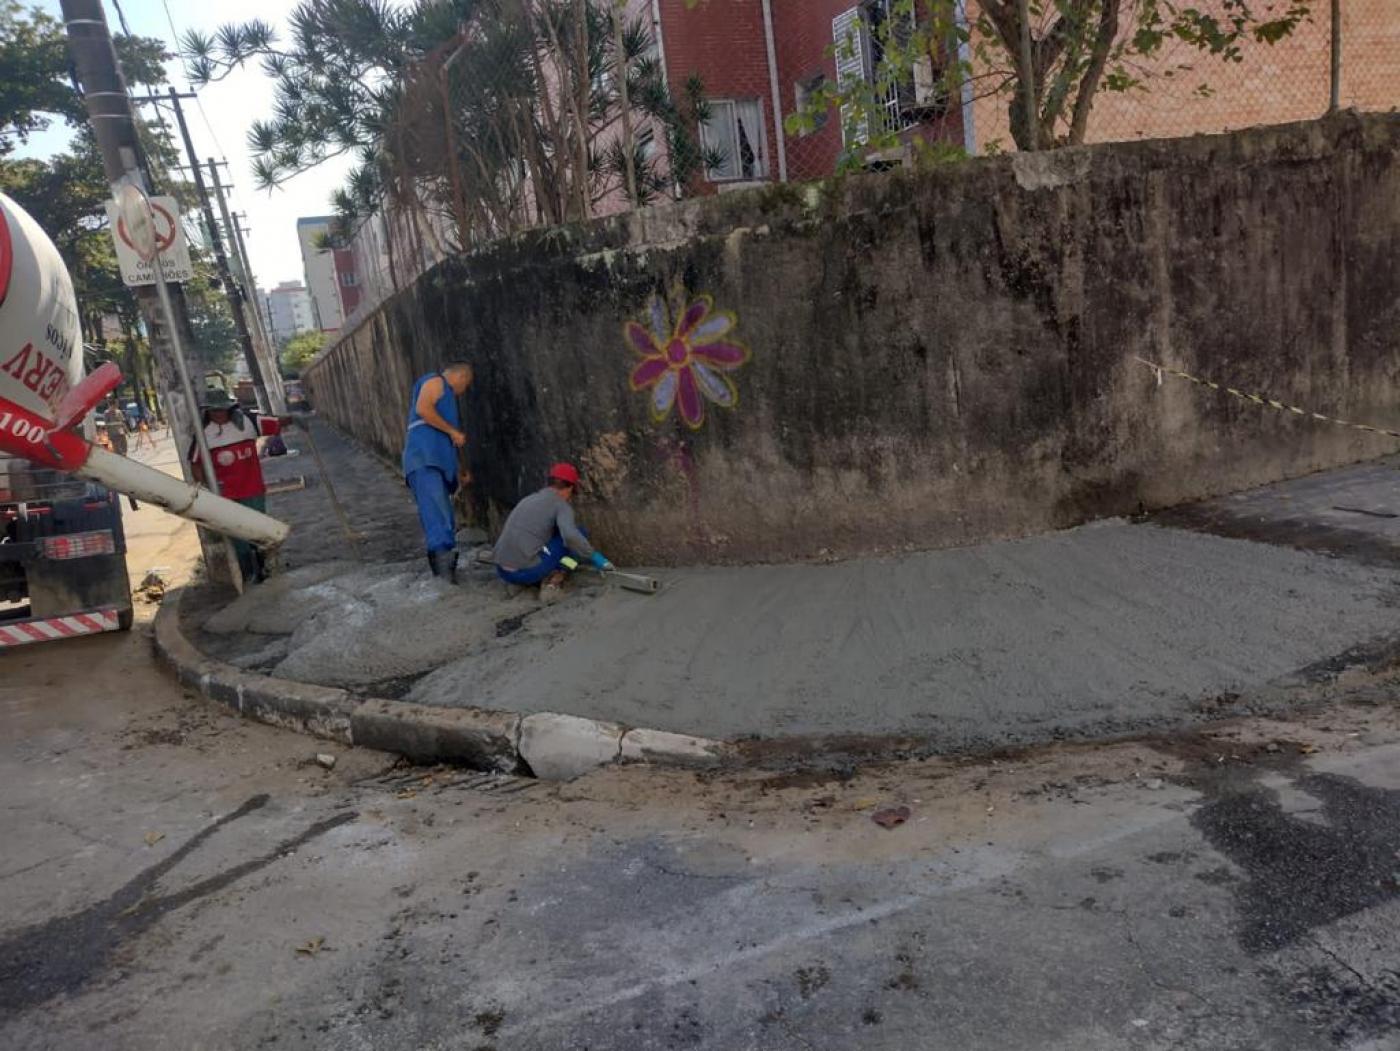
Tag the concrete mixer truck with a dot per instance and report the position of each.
(62, 550)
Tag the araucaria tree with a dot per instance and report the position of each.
(500, 113)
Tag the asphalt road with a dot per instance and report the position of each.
(173, 877)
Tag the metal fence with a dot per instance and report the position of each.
(540, 112)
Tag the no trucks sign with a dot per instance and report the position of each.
(169, 238)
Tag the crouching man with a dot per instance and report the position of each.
(541, 540)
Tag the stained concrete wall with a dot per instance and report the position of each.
(936, 358)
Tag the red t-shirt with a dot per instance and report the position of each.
(233, 447)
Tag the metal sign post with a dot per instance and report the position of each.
(134, 210)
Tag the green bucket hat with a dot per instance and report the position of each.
(218, 398)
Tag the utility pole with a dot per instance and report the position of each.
(272, 368)
(114, 130)
(240, 228)
(241, 225)
(270, 387)
(250, 281)
(235, 297)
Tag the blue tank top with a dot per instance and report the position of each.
(425, 445)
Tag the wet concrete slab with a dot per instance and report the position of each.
(1111, 628)
(1100, 630)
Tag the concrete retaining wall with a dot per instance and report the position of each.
(933, 358)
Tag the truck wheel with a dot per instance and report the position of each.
(125, 618)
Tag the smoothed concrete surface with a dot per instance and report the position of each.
(1108, 628)
(1103, 628)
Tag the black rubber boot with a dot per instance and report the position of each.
(444, 565)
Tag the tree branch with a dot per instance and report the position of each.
(1098, 61)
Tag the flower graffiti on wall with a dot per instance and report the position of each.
(686, 354)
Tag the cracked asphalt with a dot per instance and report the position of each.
(176, 878)
(173, 877)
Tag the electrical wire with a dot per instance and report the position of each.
(121, 17)
(189, 84)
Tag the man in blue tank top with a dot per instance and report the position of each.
(430, 460)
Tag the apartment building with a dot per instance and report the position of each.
(287, 310)
(332, 278)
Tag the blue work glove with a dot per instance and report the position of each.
(601, 564)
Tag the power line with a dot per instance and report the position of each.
(142, 130)
(199, 105)
(121, 17)
(223, 154)
(175, 39)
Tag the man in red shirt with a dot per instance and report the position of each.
(232, 436)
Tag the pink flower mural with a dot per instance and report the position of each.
(686, 356)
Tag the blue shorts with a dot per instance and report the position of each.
(551, 557)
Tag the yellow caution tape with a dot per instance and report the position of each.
(1259, 399)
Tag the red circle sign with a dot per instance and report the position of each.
(164, 229)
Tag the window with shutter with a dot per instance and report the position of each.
(852, 39)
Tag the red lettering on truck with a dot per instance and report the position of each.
(15, 366)
(55, 387)
(38, 373)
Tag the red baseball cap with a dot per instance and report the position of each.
(564, 472)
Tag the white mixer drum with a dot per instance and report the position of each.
(41, 352)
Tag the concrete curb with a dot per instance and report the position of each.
(550, 745)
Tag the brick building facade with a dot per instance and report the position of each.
(758, 59)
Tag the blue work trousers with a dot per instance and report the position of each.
(434, 502)
(552, 556)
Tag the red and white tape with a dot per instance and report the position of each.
(28, 631)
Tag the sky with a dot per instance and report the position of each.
(229, 109)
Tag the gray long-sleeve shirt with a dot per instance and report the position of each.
(530, 527)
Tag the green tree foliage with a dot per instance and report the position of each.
(449, 98)
(1079, 50)
(216, 341)
(300, 349)
(67, 193)
(338, 75)
(32, 91)
(660, 172)
(36, 88)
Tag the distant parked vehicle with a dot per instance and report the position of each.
(296, 397)
(246, 394)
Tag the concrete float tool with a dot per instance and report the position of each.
(632, 581)
(637, 582)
